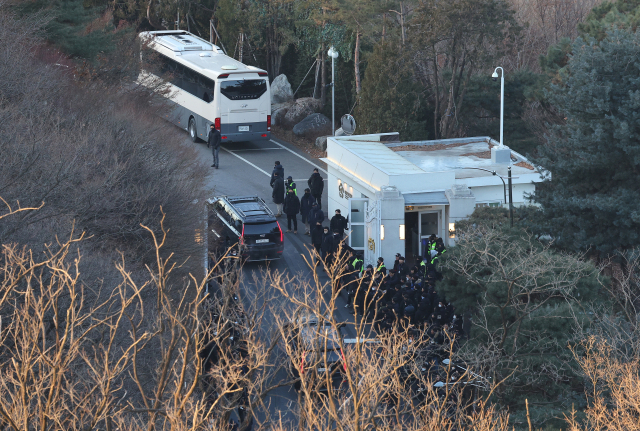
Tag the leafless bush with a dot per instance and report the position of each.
(544, 23)
(95, 154)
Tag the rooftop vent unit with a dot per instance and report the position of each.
(190, 45)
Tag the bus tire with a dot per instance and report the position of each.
(193, 132)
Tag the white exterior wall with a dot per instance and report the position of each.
(490, 194)
(423, 182)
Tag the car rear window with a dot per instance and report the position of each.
(261, 228)
(243, 89)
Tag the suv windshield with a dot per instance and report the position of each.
(243, 89)
(262, 228)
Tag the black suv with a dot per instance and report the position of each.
(248, 222)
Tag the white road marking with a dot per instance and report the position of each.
(296, 154)
(246, 161)
(255, 149)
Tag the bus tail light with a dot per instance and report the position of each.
(216, 123)
(223, 137)
(223, 75)
(264, 135)
(268, 123)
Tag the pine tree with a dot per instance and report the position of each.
(593, 198)
(390, 100)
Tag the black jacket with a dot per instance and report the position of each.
(306, 203)
(213, 138)
(278, 191)
(316, 236)
(339, 223)
(316, 184)
(280, 170)
(315, 215)
(291, 204)
(327, 243)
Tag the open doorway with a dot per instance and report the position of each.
(429, 225)
(412, 236)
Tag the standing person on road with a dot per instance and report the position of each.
(291, 209)
(327, 246)
(306, 203)
(338, 223)
(278, 193)
(213, 141)
(290, 185)
(316, 184)
(316, 236)
(316, 216)
(279, 169)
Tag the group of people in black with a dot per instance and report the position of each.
(404, 295)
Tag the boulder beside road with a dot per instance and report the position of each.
(281, 90)
(321, 143)
(300, 110)
(312, 126)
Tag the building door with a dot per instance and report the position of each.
(429, 225)
(357, 211)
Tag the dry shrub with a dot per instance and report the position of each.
(612, 388)
(96, 154)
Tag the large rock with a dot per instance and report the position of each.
(300, 110)
(281, 90)
(312, 126)
(321, 143)
(277, 114)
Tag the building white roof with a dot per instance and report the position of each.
(197, 53)
(460, 156)
(383, 158)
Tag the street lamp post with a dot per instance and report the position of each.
(504, 185)
(495, 77)
(333, 54)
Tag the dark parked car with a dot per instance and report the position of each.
(248, 222)
(315, 351)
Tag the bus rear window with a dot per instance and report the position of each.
(243, 89)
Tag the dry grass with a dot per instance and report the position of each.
(304, 144)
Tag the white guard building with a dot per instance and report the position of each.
(396, 194)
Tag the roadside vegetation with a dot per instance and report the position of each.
(105, 320)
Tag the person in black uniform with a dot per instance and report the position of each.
(213, 141)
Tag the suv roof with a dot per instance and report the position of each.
(251, 208)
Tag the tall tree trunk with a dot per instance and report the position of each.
(384, 26)
(323, 85)
(151, 17)
(315, 87)
(356, 61)
(436, 88)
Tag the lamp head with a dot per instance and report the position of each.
(495, 75)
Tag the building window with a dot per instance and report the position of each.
(482, 205)
(495, 204)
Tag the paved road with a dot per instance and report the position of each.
(245, 169)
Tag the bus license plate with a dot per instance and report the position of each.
(258, 241)
(243, 128)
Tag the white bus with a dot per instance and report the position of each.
(208, 87)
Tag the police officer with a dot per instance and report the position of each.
(213, 141)
(380, 267)
(290, 185)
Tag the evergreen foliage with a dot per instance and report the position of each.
(390, 100)
(70, 26)
(594, 158)
(525, 301)
(481, 113)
